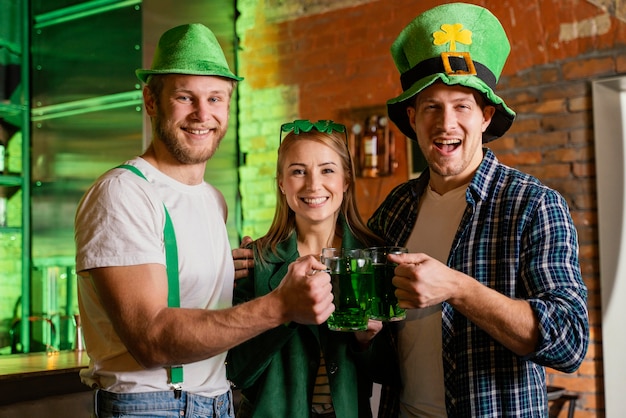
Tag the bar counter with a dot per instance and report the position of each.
(25, 377)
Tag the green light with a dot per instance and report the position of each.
(94, 104)
(79, 11)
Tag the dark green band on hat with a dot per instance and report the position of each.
(435, 65)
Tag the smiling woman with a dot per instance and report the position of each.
(297, 152)
(313, 180)
(315, 209)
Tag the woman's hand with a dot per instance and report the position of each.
(364, 338)
(243, 259)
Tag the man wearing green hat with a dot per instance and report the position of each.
(492, 282)
(156, 273)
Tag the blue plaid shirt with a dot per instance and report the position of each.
(517, 237)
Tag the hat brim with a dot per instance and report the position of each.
(500, 122)
(220, 72)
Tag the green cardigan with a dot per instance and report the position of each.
(276, 371)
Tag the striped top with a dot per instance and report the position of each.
(322, 401)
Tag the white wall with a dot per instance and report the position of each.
(609, 115)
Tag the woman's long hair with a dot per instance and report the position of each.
(284, 222)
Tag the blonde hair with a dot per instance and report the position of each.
(284, 223)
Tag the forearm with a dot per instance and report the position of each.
(157, 335)
(511, 322)
(179, 336)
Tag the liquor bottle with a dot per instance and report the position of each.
(384, 148)
(369, 148)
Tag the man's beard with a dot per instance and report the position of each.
(167, 136)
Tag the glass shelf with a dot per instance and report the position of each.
(10, 230)
(10, 109)
(10, 180)
(15, 246)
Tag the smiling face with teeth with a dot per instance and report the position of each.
(449, 122)
(312, 178)
(189, 115)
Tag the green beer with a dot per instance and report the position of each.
(349, 291)
(362, 272)
(382, 297)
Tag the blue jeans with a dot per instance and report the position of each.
(162, 405)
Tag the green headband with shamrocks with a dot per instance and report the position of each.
(305, 125)
(323, 126)
(326, 126)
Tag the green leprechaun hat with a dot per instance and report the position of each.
(457, 44)
(188, 49)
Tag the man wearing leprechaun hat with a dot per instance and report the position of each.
(492, 281)
(156, 273)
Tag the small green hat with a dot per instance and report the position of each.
(188, 49)
(457, 44)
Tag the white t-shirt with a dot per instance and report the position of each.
(120, 222)
(419, 335)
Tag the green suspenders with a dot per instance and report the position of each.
(173, 287)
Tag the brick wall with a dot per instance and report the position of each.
(326, 59)
(552, 139)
